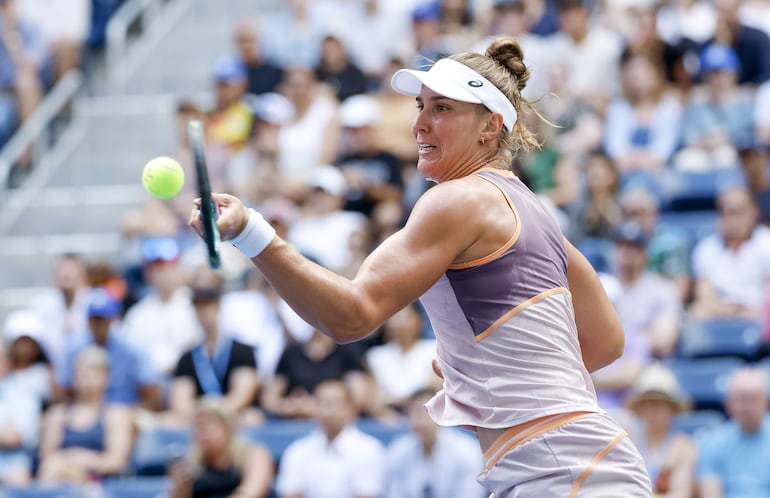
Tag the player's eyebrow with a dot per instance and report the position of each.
(433, 99)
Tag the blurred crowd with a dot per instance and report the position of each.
(655, 163)
(40, 42)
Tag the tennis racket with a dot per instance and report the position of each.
(208, 208)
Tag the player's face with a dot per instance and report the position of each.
(447, 133)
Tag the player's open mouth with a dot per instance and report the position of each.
(425, 147)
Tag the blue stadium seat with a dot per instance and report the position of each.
(155, 448)
(698, 422)
(277, 435)
(41, 491)
(721, 337)
(697, 191)
(138, 487)
(386, 433)
(705, 379)
(599, 252)
(696, 224)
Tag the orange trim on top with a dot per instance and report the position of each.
(524, 432)
(500, 250)
(529, 302)
(597, 458)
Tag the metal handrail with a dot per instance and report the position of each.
(37, 124)
(120, 22)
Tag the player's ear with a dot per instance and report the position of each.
(492, 126)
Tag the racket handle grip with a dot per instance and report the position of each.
(255, 236)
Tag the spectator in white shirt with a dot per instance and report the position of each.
(336, 461)
(432, 461)
(165, 318)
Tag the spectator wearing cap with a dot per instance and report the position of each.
(30, 368)
(336, 69)
(252, 172)
(732, 268)
(19, 426)
(263, 75)
(88, 437)
(426, 32)
(373, 175)
(719, 117)
(649, 304)
(668, 246)
(229, 123)
(164, 317)
(132, 379)
(218, 367)
(751, 45)
(324, 229)
(734, 458)
(655, 400)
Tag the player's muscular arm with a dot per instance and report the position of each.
(396, 273)
(599, 328)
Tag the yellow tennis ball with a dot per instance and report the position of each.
(163, 177)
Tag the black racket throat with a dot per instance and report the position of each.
(208, 207)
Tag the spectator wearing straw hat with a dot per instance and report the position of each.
(656, 399)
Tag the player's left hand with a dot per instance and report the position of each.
(231, 218)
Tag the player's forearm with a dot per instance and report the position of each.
(324, 299)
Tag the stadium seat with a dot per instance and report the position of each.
(697, 191)
(386, 433)
(696, 224)
(41, 491)
(277, 435)
(698, 422)
(599, 252)
(155, 448)
(721, 337)
(705, 379)
(139, 487)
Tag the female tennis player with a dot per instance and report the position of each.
(519, 314)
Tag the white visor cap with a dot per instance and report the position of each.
(456, 81)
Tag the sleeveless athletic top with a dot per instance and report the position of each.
(505, 329)
(91, 438)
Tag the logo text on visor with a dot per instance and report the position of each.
(475, 83)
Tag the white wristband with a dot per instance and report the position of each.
(255, 236)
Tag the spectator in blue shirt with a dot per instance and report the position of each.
(735, 457)
(751, 45)
(132, 379)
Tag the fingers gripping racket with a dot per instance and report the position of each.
(208, 208)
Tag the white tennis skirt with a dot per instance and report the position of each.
(577, 455)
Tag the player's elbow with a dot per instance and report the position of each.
(352, 327)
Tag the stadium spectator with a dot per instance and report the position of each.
(432, 461)
(221, 463)
(751, 45)
(373, 175)
(734, 457)
(429, 45)
(312, 137)
(686, 20)
(338, 459)
(401, 366)
(23, 57)
(132, 379)
(19, 426)
(731, 268)
(754, 161)
(263, 75)
(656, 399)
(597, 213)
(292, 37)
(219, 367)
(648, 303)
(303, 367)
(613, 382)
(337, 70)
(323, 230)
(718, 118)
(165, 316)
(762, 114)
(63, 25)
(668, 246)
(29, 367)
(63, 307)
(89, 437)
(642, 127)
(591, 54)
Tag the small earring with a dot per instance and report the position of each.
(482, 140)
